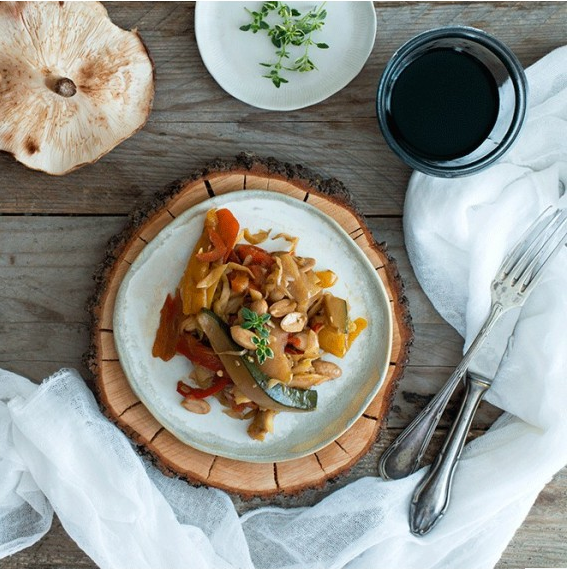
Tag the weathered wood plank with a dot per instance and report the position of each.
(194, 120)
(162, 152)
(185, 89)
(192, 111)
(47, 265)
(40, 341)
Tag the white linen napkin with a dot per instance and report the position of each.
(57, 452)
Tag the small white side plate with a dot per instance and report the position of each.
(157, 271)
(233, 57)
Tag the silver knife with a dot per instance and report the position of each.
(431, 497)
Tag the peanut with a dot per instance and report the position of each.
(259, 306)
(293, 322)
(328, 369)
(282, 307)
(243, 337)
(199, 406)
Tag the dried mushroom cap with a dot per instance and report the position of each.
(72, 84)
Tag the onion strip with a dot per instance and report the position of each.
(256, 238)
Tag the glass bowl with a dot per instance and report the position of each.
(510, 85)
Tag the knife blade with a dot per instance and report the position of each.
(490, 356)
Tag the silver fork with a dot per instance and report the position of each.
(519, 273)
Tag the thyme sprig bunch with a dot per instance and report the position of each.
(293, 29)
(257, 323)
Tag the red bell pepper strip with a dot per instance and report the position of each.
(292, 350)
(198, 353)
(222, 237)
(317, 326)
(218, 384)
(183, 389)
(259, 273)
(258, 255)
(293, 345)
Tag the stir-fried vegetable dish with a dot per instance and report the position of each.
(255, 324)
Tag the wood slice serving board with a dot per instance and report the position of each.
(123, 407)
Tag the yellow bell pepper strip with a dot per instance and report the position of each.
(193, 298)
(359, 325)
(326, 278)
(337, 342)
(333, 341)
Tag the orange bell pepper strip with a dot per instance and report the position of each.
(228, 228)
(239, 281)
(222, 236)
(218, 250)
(167, 334)
(216, 243)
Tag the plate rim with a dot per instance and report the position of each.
(180, 220)
(201, 5)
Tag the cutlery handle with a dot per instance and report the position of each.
(431, 497)
(403, 456)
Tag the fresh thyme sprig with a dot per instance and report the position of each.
(257, 323)
(293, 30)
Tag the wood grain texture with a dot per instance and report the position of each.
(124, 408)
(38, 243)
(47, 262)
(34, 246)
(194, 120)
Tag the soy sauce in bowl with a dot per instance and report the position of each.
(451, 101)
(444, 104)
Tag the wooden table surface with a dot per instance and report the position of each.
(53, 231)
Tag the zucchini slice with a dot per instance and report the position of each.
(337, 312)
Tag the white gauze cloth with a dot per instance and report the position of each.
(58, 453)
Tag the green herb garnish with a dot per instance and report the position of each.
(293, 29)
(257, 323)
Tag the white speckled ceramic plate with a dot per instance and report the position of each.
(157, 271)
(233, 57)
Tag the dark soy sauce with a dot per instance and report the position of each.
(443, 105)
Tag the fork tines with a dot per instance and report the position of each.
(541, 242)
